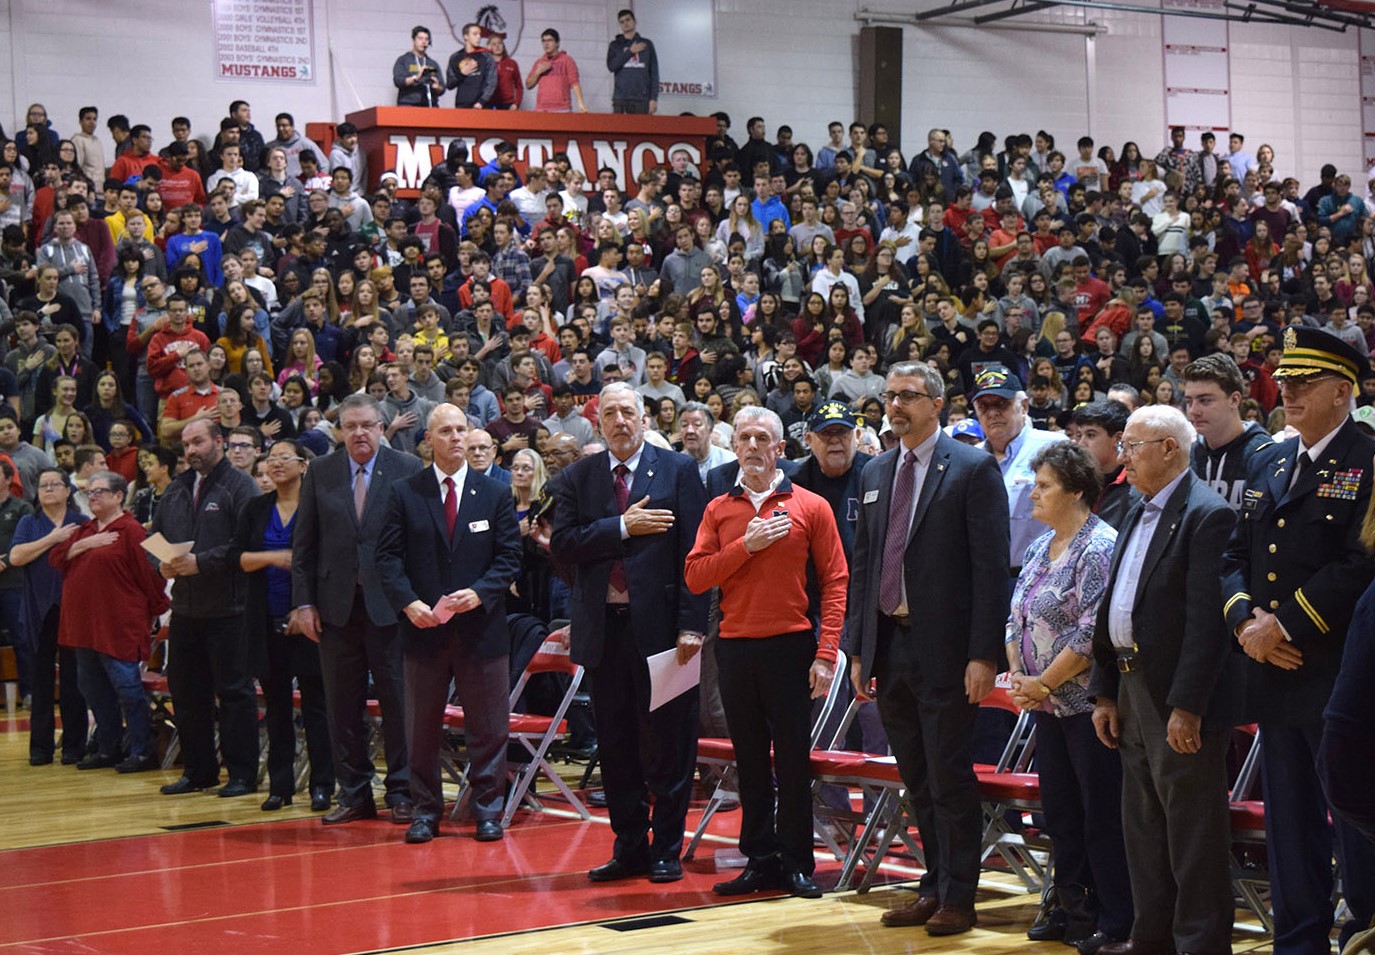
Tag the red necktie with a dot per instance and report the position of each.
(622, 502)
(450, 506)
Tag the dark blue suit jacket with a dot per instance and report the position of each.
(417, 560)
(958, 577)
(587, 535)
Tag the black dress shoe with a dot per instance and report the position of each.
(319, 799)
(750, 880)
(597, 798)
(274, 802)
(403, 813)
(181, 786)
(488, 830)
(71, 759)
(41, 760)
(1090, 945)
(236, 787)
(422, 830)
(1052, 929)
(616, 870)
(341, 813)
(98, 761)
(137, 764)
(665, 870)
(801, 886)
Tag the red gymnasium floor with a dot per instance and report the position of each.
(300, 888)
(291, 885)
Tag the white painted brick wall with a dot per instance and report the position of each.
(791, 61)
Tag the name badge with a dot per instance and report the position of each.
(477, 527)
(870, 497)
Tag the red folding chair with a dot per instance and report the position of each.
(719, 755)
(533, 731)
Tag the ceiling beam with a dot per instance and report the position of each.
(1016, 10)
(958, 7)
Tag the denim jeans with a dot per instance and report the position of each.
(111, 686)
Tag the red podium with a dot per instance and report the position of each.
(411, 140)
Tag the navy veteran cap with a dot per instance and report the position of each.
(995, 380)
(832, 413)
(1312, 351)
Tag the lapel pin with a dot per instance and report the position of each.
(472, 490)
(649, 474)
(940, 467)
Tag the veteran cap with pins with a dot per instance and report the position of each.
(832, 413)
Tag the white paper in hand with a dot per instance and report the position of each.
(164, 550)
(668, 680)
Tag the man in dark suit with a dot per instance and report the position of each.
(334, 580)
(1160, 652)
(451, 546)
(1293, 573)
(626, 518)
(933, 522)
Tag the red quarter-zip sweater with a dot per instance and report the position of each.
(765, 593)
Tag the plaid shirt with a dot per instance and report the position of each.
(513, 266)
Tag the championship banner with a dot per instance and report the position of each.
(264, 40)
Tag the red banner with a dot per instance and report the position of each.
(412, 140)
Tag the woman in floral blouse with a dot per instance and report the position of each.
(1064, 578)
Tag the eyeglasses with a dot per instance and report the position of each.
(52, 487)
(98, 491)
(1128, 448)
(903, 397)
(1298, 386)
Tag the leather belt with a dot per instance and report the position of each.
(1128, 660)
(902, 621)
(618, 610)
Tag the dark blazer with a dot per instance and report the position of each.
(416, 560)
(330, 547)
(1298, 554)
(1177, 622)
(956, 564)
(587, 534)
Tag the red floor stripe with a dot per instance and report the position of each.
(300, 888)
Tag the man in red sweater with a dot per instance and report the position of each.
(754, 543)
(167, 349)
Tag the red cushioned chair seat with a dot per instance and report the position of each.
(715, 748)
(1248, 816)
(1010, 787)
(837, 762)
(538, 725)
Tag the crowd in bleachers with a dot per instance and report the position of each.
(257, 283)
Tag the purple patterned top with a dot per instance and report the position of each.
(1055, 605)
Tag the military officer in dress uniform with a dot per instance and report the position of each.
(1292, 574)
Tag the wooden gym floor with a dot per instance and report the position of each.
(95, 862)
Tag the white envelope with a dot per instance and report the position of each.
(164, 550)
(668, 680)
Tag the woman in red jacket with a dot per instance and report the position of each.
(111, 595)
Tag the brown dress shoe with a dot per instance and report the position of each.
(342, 814)
(1133, 947)
(951, 921)
(916, 911)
